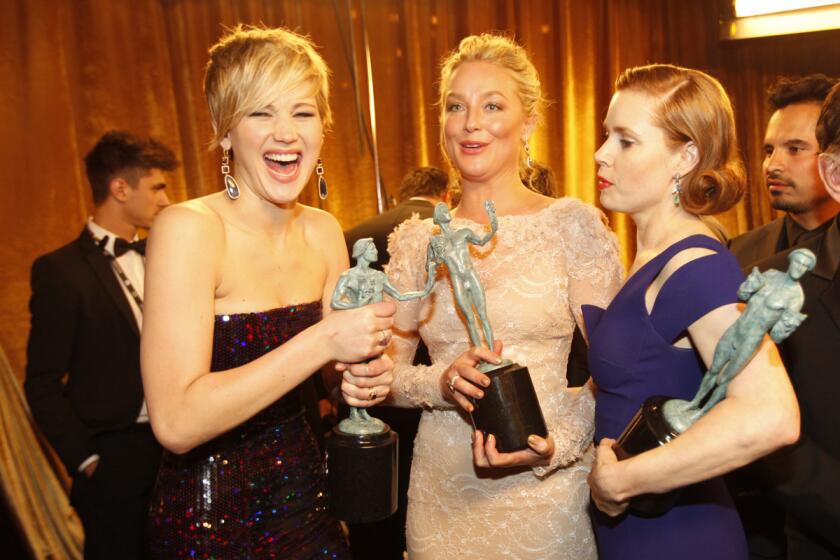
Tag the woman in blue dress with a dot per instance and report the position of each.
(669, 159)
(237, 283)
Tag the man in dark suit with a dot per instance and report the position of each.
(790, 171)
(83, 370)
(805, 478)
(420, 191)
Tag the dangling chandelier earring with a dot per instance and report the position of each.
(231, 187)
(677, 190)
(528, 161)
(322, 182)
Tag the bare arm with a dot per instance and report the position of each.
(758, 415)
(188, 404)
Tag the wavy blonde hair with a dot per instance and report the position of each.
(250, 64)
(507, 54)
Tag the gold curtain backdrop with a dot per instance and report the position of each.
(71, 69)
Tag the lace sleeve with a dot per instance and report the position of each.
(595, 271)
(594, 275)
(414, 386)
(574, 430)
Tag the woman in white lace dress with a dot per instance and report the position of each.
(547, 258)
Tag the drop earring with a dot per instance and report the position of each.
(677, 190)
(322, 182)
(528, 161)
(231, 187)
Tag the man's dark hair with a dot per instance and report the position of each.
(424, 181)
(121, 154)
(828, 125)
(809, 89)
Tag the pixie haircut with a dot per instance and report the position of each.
(121, 154)
(787, 91)
(693, 107)
(249, 65)
(507, 54)
(828, 125)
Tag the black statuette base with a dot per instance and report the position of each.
(510, 409)
(647, 430)
(362, 475)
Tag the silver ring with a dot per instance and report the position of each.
(452, 382)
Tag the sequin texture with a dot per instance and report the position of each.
(257, 491)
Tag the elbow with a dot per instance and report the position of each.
(172, 437)
(789, 432)
(778, 429)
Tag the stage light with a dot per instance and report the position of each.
(766, 18)
(746, 8)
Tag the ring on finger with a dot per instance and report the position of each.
(452, 382)
(383, 337)
(371, 394)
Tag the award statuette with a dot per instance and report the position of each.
(509, 409)
(774, 300)
(362, 450)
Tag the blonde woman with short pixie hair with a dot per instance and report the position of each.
(548, 257)
(238, 286)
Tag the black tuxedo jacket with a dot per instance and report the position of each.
(759, 243)
(806, 476)
(82, 328)
(381, 226)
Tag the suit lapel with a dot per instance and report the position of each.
(105, 274)
(830, 299)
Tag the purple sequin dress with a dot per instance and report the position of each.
(257, 491)
(632, 357)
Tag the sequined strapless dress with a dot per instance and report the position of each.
(257, 491)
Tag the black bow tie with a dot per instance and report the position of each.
(121, 246)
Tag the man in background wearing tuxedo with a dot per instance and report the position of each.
(790, 171)
(805, 477)
(83, 369)
(420, 190)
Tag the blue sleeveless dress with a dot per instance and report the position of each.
(631, 358)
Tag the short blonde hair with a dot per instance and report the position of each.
(693, 107)
(507, 54)
(249, 64)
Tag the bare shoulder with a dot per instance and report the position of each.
(192, 222)
(683, 258)
(319, 225)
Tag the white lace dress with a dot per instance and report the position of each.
(536, 272)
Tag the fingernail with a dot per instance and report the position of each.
(532, 440)
(479, 394)
(470, 409)
(485, 382)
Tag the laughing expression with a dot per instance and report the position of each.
(276, 146)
